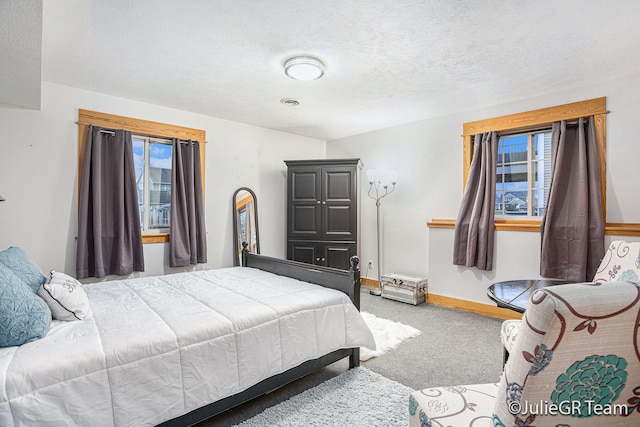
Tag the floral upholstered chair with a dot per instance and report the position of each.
(621, 262)
(575, 362)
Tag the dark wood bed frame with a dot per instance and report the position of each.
(342, 280)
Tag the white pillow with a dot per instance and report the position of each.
(64, 296)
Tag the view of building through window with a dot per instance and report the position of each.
(152, 159)
(523, 173)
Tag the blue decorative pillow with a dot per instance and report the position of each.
(18, 261)
(24, 316)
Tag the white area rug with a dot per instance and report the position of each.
(358, 397)
(387, 333)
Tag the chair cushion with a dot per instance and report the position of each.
(453, 406)
(577, 351)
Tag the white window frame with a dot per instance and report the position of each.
(146, 193)
(530, 172)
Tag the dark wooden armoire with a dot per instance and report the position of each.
(322, 217)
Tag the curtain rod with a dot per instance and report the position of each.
(180, 141)
(534, 128)
(571, 122)
(537, 129)
(112, 133)
(518, 132)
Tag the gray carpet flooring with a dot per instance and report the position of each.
(454, 348)
(358, 398)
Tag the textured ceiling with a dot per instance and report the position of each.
(20, 53)
(388, 62)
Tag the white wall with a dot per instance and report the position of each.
(428, 158)
(38, 176)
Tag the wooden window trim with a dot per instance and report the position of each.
(137, 127)
(610, 228)
(522, 122)
(240, 204)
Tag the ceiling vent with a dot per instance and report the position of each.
(291, 102)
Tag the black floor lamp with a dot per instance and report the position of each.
(379, 182)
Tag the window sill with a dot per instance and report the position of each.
(518, 224)
(500, 224)
(155, 238)
(611, 228)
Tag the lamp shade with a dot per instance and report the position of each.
(304, 68)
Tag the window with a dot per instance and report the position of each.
(523, 174)
(528, 123)
(152, 159)
(158, 136)
(242, 220)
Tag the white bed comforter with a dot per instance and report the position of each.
(158, 347)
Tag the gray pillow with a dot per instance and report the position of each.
(24, 316)
(17, 260)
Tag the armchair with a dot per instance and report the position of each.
(576, 361)
(621, 262)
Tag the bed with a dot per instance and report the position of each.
(177, 349)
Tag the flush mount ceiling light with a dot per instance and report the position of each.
(304, 68)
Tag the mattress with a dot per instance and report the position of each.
(155, 348)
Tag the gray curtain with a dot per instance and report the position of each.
(572, 229)
(187, 238)
(474, 233)
(109, 237)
